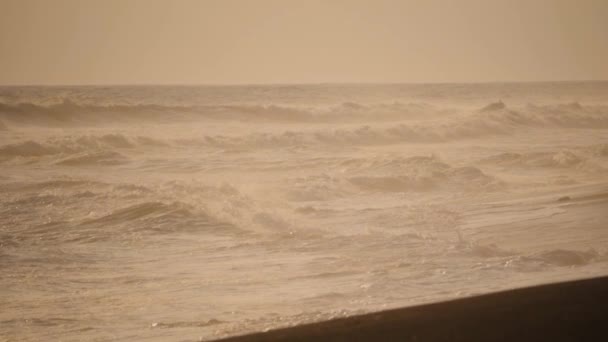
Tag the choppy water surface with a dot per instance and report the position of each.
(187, 213)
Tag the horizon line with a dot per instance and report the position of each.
(244, 84)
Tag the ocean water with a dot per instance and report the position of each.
(186, 213)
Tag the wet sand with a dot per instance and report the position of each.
(569, 311)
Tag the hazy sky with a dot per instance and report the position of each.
(301, 41)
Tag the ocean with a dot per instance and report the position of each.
(189, 213)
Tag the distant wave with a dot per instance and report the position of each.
(492, 120)
(26, 149)
(71, 112)
(570, 115)
(68, 112)
(80, 149)
(362, 135)
(493, 107)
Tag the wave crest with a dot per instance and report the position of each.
(73, 150)
(386, 174)
(94, 158)
(26, 149)
(563, 159)
(69, 112)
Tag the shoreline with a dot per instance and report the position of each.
(566, 311)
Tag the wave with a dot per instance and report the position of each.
(27, 149)
(493, 107)
(94, 158)
(363, 135)
(599, 150)
(392, 122)
(555, 258)
(581, 159)
(68, 112)
(144, 210)
(565, 115)
(478, 125)
(384, 174)
(481, 250)
(72, 150)
(80, 210)
(317, 188)
(418, 173)
(461, 178)
(562, 257)
(111, 140)
(531, 261)
(569, 115)
(51, 184)
(392, 164)
(133, 220)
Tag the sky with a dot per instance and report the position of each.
(301, 41)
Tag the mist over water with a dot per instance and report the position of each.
(179, 213)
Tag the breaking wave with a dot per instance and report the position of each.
(73, 150)
(318, 188)
(26, 149)
(425, 179)
(146, 210)
(146, 218)
(493, 120)
(582, 159)
(570, 115)
(69, 112)
(94, 158)
(414, 174)
(74, 113)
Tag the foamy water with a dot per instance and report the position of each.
(187, 213)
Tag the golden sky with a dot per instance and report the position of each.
(301, 41)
